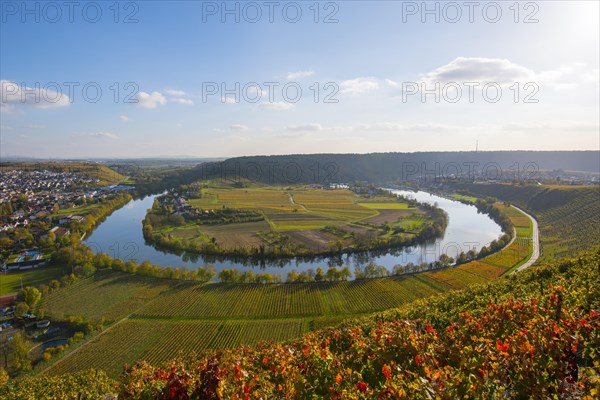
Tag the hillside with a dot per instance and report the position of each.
(569, 216)
(104, 174)
(387, 167)
(533, 334)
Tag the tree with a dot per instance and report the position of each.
(19, 348)
(21, 309)
(3, 377)
(292, 276)
(446, 260)
(398, 269)
(359, 273)
(319, 275)
(31, 296)
(332, 274)
(345, 273)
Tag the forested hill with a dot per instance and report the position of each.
(384, 167)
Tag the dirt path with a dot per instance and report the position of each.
(296, 204)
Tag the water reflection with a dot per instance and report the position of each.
(120, 236)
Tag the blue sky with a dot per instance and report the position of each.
(381, 61)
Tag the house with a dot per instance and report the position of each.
(60, 231)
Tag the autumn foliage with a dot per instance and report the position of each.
(533, 335)
(520, 348)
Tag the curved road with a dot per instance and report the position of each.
(536, 243)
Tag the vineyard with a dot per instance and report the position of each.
(569, 216)
(107, 295)
(530, 335)
(157, 341)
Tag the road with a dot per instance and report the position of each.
(536, 243)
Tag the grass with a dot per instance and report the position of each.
(469, 199)
(79, 210)
(10, 282)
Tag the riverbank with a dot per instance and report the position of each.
(120, 236)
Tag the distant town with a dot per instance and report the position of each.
(39, 202)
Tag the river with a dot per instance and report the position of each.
(120, 236)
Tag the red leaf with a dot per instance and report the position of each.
(361, 386)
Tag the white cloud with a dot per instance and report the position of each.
(11, 93)
(105, 135)
(392, 83)
(505, 72)
(150, 100)
(179, 125)
(182, 101)
(124, 118)
(175, 92)
(239, 127)
(312, 127)
(394, 127)
(300, 74)
(277, 105)
(479, 69)
(359, 85)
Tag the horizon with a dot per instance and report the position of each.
(8, 158)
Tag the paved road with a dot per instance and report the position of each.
(536, 243)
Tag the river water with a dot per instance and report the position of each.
(120, 236)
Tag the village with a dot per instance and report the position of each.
(35, 205)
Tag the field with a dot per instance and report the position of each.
(301, 220)
(79, 210)
(165, 316)
(10, 282)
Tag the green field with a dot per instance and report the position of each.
(79, 210)
(10, 282)
(302, 217)
(385, 206)
(462, 197)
